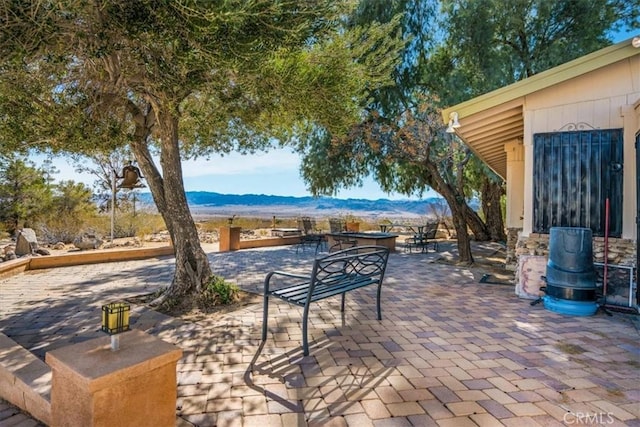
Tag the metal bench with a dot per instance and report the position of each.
(333, 274)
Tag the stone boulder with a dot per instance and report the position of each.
(87, 241)
(26, 242)
(8, 253)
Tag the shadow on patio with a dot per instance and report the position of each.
(449, 351)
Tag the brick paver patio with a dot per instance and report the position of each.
(449, 351)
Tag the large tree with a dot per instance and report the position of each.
(464, 49)
(173, 78)
(25, 193)
(407, 153)
(489, 44)
(401, 142)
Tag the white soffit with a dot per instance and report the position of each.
(489, 121)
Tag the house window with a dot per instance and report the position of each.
(573, 174)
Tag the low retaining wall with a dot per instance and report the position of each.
(25, 380)
(13, 267)
(17, 266)
(98, 256)
(274, 241)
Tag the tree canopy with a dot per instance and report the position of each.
(174, 79)
(491, 43)
(456, 49)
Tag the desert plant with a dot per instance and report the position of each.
(219, 292)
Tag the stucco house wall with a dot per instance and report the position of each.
(600, 90)
(606, 98)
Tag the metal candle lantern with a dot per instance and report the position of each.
(115, 319)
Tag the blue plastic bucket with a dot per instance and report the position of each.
(569, 307)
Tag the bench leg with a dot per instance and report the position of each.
(378, 302)
(265, 314)
(305, 341)
(342, 303)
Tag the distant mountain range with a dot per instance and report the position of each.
(204, 203)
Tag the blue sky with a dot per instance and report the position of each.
(273, 173)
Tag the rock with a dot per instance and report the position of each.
(134, 242)
(42, 251)
(8, 256)
(59, 246)
(9, 248)
(87, 241)
(26, 242)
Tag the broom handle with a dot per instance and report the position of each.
(606, 247)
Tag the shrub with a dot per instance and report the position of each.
(219, 292)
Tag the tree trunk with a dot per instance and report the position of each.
(464, 242)
(492, 193)
(192, 269)
(475, 223)
(462, 235)
(457, 206)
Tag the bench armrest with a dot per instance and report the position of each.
(283, 274)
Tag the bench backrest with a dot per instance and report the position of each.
(430, 230)
(365, 263)
(336, 225)
(307, 225)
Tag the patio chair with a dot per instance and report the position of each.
(422, 240)
(310, 234)
(336, 225)
(341, 243)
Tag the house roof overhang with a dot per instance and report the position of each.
(489, 121)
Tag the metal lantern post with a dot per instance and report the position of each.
(115, 319)
(113, 203)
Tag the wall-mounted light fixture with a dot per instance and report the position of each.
(453, 122)
(635, 42)
(115, 319)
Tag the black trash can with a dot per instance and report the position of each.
(570, 274)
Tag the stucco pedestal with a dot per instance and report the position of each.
(229, 239)
(134, 386)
